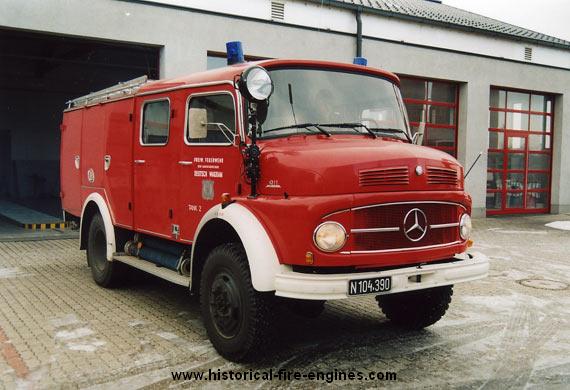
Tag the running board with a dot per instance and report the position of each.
(151, 268)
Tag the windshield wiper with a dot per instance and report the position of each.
(301, 126)
(342, 125)
(370, 130)
(350, 125)
(391, 130)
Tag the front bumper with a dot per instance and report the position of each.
(298, 285)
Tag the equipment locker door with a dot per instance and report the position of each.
(118, 161)
(70, 151)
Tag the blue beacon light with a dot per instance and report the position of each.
(235, 52)
(360, 61)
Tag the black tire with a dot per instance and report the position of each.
(238, 319)
(105, 273)
(305, 308)
(416, 310)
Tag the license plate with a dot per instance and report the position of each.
(369, 286)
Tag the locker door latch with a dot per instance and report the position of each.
(107, 162)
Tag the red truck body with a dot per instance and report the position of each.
(150, 196)
(373, 187)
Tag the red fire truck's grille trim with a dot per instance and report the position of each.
(384, 176)
(442, 176)
(380, 228)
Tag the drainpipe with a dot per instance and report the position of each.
(358, 32)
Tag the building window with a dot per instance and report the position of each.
(215, 62)
(217, 122)
(155, 122)
(520, 151)
(434, 103)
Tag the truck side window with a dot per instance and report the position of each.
(220, 119)
(155, 122)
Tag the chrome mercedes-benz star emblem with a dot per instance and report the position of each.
(415, 225)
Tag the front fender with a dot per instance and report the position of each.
(261, 255)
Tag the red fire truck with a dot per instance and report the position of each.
(278, 182)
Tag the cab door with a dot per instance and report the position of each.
(210, 160)
(155, 157)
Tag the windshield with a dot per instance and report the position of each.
(321, 101)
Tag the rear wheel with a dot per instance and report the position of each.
(105, 273)
(416, 309)
(238, 318)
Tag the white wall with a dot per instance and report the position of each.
(399, 30)
(376, 26)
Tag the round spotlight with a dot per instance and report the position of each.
(256, 84)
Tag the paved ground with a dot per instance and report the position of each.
(57, 329)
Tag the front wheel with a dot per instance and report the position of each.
(237, 317)
(416, 309)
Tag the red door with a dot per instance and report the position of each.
(155, 157)
(92, 150)
(210, 164)
(434, 103)
(520, 151)
(70, 165)
(118, 161)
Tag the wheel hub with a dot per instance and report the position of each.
(225, 305)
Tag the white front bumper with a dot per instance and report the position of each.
(298, 285)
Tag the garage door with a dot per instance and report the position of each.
(520, 152)
(434, 103)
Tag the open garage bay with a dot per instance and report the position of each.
(40, 73)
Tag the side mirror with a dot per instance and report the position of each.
(418, 138)
(197, 123)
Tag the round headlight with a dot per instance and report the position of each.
(256, 84)
(465, 226)
(329, 236)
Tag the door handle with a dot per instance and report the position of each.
(185, 162)
(140, 161)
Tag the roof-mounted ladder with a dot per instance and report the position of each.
(118, 91)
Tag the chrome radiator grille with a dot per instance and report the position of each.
(388, 227)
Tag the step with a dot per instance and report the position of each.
(151, 268)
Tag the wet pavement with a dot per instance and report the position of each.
(511, 330)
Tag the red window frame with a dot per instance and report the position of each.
(507, 133)
(426, 102)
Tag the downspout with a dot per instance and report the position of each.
(359, 32)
